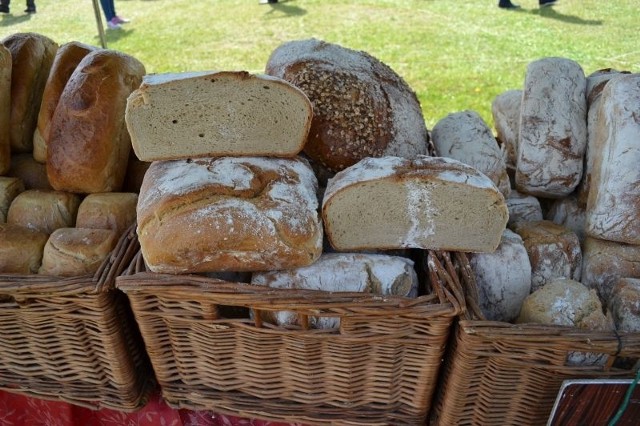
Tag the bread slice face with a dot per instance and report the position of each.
(211, 114)
(427, 203)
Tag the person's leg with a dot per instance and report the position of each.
(107, 10)
(31, 6)
(4, 6)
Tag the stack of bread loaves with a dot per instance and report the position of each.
(63, 154)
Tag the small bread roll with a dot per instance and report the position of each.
(72, 252)
(32, 173)
(9, 189)
(109, 210)
(44, 211)
(20, 249)
(624, 305)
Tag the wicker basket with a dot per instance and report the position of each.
(74, 339)
(498, 373)
(380, 367)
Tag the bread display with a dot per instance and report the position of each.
(342, 272)
(29, 171)
(361, 107)
(9, 189)
(44, 211)
(108, 210)
(32, 55)
(553, 128)
(66, 59)
(89, 145)
(614, 197)
(464, 136)
(505, 110)
(429, 202)
(75, 252)
(523, 208)
(624, 305)
(503, 278)
(229, 214)
(5, 109)
(219, 114)
(20, 249)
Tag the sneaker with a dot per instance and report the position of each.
(508, 5)
(113, 25)
(268, 1)
(30, 10)
(4, 8)
(547, 3)
(120, 20)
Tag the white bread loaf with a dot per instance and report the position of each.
(72, 252)
(605, 262)
(29, 171)
(32, 55)
(614, 196)
(624, 305)
(554, 251)
(108, 210)
(20, 249)
(553, 128)
(5, 109)
(429, 202)
(523, 208)
(568, 213)
(229, 214)
(464, 136)
(10, 187)
(361, 107)
(213, 114)
(505, 110)
(503, 278)
(88, 144)
(43, 210)
(342, 272)
(66, 59)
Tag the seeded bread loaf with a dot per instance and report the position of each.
(65, 62)
(43, 210)
(10, 187)
(20, 249)
(229, 214)
(361, 107)
(89, 145)
(429, 203)
(108, 210)
(211, 114)
(5, 109)
(32, 55)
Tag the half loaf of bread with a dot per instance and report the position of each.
(429, 203)
(230, 113)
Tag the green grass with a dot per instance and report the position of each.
(456, 55)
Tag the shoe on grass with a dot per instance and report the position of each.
(508, 5)
(30, 10)
(113, 25)
(4, 8)
(547, 3)
(120, 20)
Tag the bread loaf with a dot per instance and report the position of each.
(20, 249)
(67, 58)
(464, 136)
(505, 110)
(44, 211)
(430, 202)
(89, 145)
(523, 208)
(5, 109)
(211, 114)
(568, 213)
(229, 214)
(29, 171)
(72, 252)
(9, 189)
(32, 55)
(614, 196)
(624, 305)
(342, 272)
(554, 251)
(553, 128)
(109, 210)
(503, 278)
(361, 107)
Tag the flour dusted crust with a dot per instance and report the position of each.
(505, 110)
(523, 208)
(567, 212)
(554, 251)
(10, 187)
(211, 114)
(429, 202)
(20, 249)
(32, 55)
(361, 107)
(229, 214)
(65, 61)
(5, 109)
(503, 278)
(464, 136)
(342, 272)
(604, 262)
(553, 128)
(614, 198)
(624, 305)
(89, 145)
(44, 210)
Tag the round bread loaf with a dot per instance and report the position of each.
(523, 208)
(43, 210)
(20, 249)
(624, 305)
(361, 107)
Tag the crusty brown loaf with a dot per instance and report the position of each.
(89, 144)
(65, 62)
(32, 173)
(108, 210)
(361, 107)
(43, 210)
(72, 252)
(10, 187)
(20, 249)
(229, 213)
(32, 55)
(5, 109)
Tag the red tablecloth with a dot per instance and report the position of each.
(18, 410)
